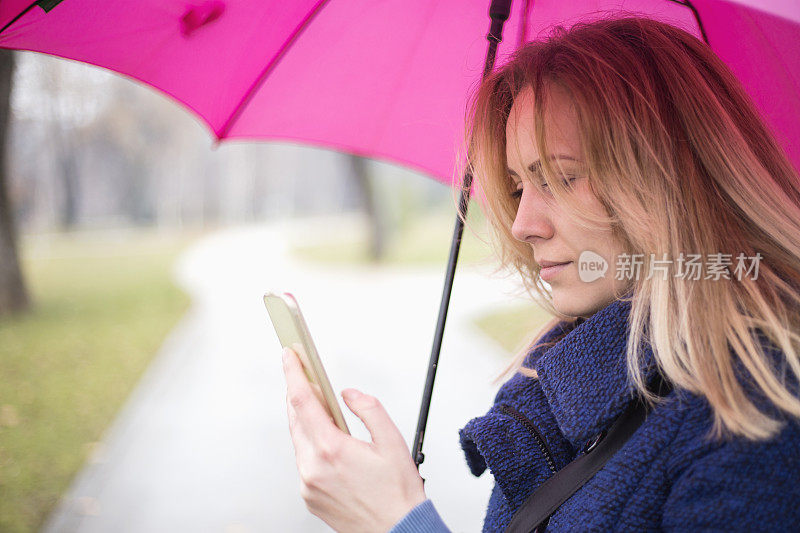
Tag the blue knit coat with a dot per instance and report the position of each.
(667, 476)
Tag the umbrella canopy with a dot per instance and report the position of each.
(387, 80)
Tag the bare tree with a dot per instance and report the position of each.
(62, 99)
(13, 295)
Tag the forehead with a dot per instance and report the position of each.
(560, 122)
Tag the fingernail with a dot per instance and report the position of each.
(352, 394)
(285, 355)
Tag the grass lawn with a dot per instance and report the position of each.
(511, 326)
(101, 310)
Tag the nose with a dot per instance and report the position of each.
(533, 221)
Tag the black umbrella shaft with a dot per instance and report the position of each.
(498, 12)
(455, 246)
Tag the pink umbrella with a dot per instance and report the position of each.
(386, 80)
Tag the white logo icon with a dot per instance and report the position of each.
(591, 266)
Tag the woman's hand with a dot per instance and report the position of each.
(350, 484)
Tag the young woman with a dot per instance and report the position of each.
(622, 163)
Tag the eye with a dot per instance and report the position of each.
(518, 192)
(567, 181)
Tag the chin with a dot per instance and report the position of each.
(579, 300)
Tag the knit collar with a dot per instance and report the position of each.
(584, 376)
(536, 426)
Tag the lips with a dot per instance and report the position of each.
(551, 269)
(545, 264)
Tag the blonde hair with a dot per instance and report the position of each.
(679, 157)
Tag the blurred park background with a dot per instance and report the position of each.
(126, 236)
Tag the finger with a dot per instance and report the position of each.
(295, 430)
(318, 393)
(304, 447)
(314, 386)
(381, 428)
(310, 415)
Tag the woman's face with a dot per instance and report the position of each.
(554, 236)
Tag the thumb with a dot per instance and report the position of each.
(369, 409)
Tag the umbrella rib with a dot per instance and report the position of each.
(248, 96)
(34, 4)
(688, 3)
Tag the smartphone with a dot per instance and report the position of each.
(293, 333)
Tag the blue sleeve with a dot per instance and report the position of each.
(421, 519)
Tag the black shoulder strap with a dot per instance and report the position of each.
(557, 489)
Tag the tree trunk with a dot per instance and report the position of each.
(13, 295)
(68, 172)
(377, 226)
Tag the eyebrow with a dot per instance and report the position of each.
(536, 166)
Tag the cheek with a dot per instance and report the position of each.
(599, 241)
(605, 237)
